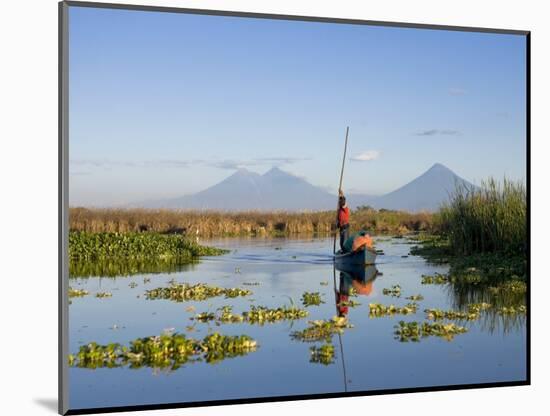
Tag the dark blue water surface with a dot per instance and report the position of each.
(367, 355)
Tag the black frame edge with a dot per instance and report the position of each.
(167, 9)
(63, 201)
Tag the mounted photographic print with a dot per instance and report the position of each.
(263, 208)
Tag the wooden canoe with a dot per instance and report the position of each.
(364, 257)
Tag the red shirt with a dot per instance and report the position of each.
(343, 216)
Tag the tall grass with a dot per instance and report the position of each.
(488, 219)
(254, 223)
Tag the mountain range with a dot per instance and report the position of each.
(279, 190)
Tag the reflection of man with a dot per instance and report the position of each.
(342, 295)
(348, 281)
(343, 219)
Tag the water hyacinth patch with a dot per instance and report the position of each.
(261, 314)
(322, 355)
(311, 299)
(473, 312)
(349, 303)
(103, 294)
(322, 329)
(200, 291)
(163, 351)
(518, 310)
(415, 298)
(256, 315)
(377, 310)
(77, 293)
(394, 291)
(512, 286)
(414, 331)
(132, 245)
(436, 279)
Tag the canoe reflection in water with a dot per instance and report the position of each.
(361, 279)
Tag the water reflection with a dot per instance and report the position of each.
(360, 279)
(128, 267)
(463, 294)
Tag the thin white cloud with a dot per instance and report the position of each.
(457, 91)
(366, 156)
(229, 164)
(434, 132)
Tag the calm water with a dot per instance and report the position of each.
(494, 348)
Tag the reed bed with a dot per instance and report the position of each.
(253, 223)
(488, 219)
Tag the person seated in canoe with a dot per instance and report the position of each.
(357, 241)
(343, 219)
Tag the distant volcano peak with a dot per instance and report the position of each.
(275, 171)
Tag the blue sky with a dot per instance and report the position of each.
(163, 105)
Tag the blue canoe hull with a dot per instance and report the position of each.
(365, 257)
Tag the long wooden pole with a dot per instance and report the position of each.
(340, 187)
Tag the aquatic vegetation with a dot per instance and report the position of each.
(512, 286)
(349, 303)
(133, 285)
(103, 294)
(251, 283)
(261, 314)
(436, 279)
(415, 298)
(322, 355)
(168, 350)
(485, 219)
(117, 267)
(414, 331)
(518, 310)
(394, 291)
(472, 313)
(325, 283)
(322, 329)
(95, 246)
(77, 292)
(377, 310)
(311, 299)
(256, 315)
(200, 291)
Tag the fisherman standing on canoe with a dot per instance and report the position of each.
(343, 219)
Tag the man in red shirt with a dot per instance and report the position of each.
(343, 219)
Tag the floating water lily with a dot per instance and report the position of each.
(436, 279)
(517, 310)
(77, 292)
(311, 299)
(200, 291)
(256, 315)
(103, 294)
(413, 331)
(377, 310)
(473, 312)
(168, 350)
(322, 355)
(394, 291)
(322, 329)
(349, 303)
(512, 286)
